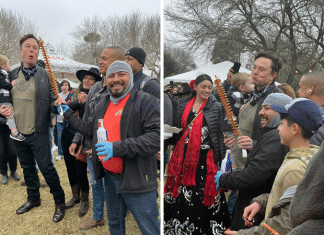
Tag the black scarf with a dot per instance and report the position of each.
(258, 94)
(28, 72)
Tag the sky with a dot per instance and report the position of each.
(55, 20)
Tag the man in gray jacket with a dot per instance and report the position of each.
(137, 124)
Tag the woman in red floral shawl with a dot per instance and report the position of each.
(191, 203)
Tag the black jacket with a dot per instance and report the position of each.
(318, 137)
(45, 98)
(140, 140)
(152, 86)
(258, 175)
(213, 114)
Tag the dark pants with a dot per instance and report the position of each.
(8, 153)
(37, 147)
(77, 170)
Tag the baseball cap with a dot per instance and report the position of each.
(305, 112)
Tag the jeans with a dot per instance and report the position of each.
(98, 193)
(231, 201)
(143, 207)
(60, 128)
(37, 147)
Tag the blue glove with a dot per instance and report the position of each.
(64, 108)
(104, 148)
(217, 176)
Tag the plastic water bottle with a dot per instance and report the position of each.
(101, 132)
(101, 135)
(226, 162)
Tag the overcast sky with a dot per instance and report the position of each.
(56, 19)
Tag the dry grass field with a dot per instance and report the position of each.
(39, 220)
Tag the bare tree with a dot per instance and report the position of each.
(292, 29)
(132, 30)
(177, 60)
(12, 27)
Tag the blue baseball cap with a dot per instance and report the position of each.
(305, 112)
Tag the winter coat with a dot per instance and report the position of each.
(5, 87)
(306, 212)
(278, 218)
(212, 113)
(258, 174)
(318, 137)
(151, 87)
(140, 139)
(45, 98)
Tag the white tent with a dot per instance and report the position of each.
(61, 63)
(220, 70)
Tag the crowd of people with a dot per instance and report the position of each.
(119, 93)
(272, 160)
(273, 185)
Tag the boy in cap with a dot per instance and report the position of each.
(300, 119)
(135, 57)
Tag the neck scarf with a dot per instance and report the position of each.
(129, 87)
(28, 72)
(188, 166)
(258, 94)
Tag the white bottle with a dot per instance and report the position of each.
(101, 132)
(224, 161)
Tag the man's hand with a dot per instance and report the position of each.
(14, 82)
(89, 152)
(72, 149)
(249, 213)
(229, 141)
(242, 107)
(5, 111)
(244, 142)
(59, 101)
(159, 156)
(229, 76)
(228, 232)
(82, 97)
(104, 148)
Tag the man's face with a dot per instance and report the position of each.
(303, 89)
(175, 90)
(105, 61)
(117, 82)
(266, 114)
(134, 63)
(261, 73)
(29, 52)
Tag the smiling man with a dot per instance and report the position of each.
(132, 121)
(262, 162)
(33, 101)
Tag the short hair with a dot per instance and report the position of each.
(290, 120)
(25, 37)
(118, 52)
(317, 80)
(276, 63)
(287, 89)
(239, 79)
(65, 81)
(184, 84)
(3, 60)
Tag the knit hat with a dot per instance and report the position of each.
(137, 53)
(305, 112)
(277, 99)
(119, 66)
